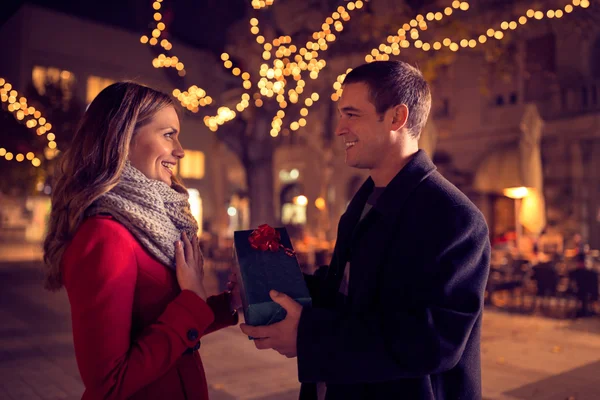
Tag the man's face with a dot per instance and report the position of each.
(365, 133)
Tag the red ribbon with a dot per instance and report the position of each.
(266, 238)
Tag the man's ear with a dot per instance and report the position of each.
(399, 117)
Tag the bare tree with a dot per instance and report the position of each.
(288, 61)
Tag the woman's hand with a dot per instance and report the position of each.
(235, 301)
(190, 265)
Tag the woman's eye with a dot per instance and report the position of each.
(168, 135)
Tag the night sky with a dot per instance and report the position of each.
(199, 23)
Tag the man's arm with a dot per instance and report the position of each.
(315, 281)
(401, 341)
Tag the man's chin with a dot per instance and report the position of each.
(353, 163)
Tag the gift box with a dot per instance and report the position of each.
(266, 261)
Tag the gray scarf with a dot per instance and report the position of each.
(155, 213)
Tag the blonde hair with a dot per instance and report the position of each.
(94, 162)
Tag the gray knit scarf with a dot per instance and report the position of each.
(155, 213)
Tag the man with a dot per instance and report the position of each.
(397, 315)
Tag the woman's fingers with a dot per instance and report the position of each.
(188, 250)
(232, 277)
(179, 256)
(196, 248)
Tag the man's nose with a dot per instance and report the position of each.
(340, 128)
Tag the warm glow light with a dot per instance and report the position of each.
(320, 203)
(18, 105)
(285, 63)
(516, 192)
(300, 200)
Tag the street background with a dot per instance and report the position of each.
(523, 356)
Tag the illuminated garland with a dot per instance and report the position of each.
(285, 63)
(280, 76)
(31, 117)
(258, 4)
(401, 39)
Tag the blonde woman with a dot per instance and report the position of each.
(123, 243)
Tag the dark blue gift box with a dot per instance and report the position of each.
(261, 271)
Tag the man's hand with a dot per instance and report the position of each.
(280, 336)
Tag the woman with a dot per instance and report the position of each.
(138, 302)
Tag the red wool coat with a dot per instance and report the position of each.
(134, 330)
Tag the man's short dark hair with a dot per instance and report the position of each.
(392, 83)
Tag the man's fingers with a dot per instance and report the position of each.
(263, 344)
(262, 332)
(285, 301)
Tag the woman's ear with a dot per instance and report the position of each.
(399, 117)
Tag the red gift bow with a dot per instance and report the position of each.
(266, 238)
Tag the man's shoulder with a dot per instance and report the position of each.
(439, 200)
(437, 189)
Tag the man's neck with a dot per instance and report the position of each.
(384, 174)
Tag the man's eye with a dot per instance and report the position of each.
(168, 135)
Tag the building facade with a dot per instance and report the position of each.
(479, 118)
(40, 45)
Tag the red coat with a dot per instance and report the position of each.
(134, 330)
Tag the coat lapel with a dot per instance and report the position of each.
(374, 234)
(346, 227)
(350, 219)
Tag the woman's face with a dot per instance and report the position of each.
(155, 148)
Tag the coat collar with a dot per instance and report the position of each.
(397, 191)
(403, 184)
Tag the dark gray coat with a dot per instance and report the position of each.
(411, 324)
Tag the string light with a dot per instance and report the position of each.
(281, 76)
(285, 63)
(189, 101)
(162, 61)
(31, 118)
(258, 4)
(409, 31)
(498, 34)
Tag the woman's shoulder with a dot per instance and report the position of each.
(105, 228)
(100, 250)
